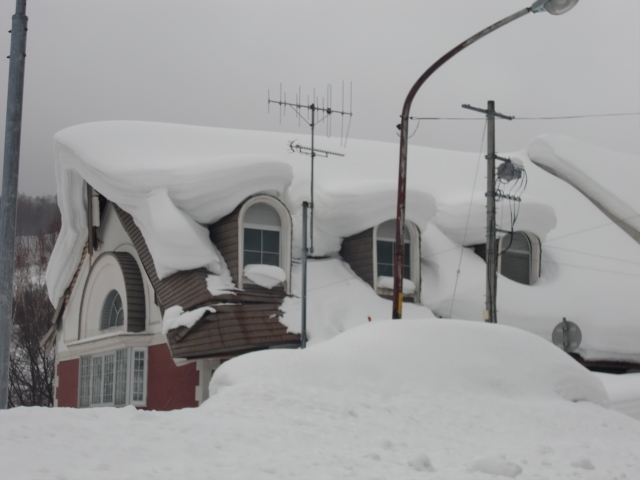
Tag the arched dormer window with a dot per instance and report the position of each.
(264, 238)
(519, 258)
(384, 247)
(112, 311)
(261, 228)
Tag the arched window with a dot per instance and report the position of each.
(519, 258)
(261, 229)
(385, 249)
(112, 311)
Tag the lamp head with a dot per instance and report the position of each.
(554, 7)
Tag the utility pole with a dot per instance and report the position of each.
(491, 313)
(305, 251)
(10, 188)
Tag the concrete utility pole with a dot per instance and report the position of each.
(491, 312)
(10, 188)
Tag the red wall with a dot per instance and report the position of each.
(67, 391)
(170, 387)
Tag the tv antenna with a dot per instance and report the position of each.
(316, 110)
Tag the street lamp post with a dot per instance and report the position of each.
(554, 7)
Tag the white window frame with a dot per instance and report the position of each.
(285, 230)
(414, 242)
(131, 401)
(130, 358)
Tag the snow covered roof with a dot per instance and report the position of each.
(173, 179)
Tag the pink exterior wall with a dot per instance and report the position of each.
(67, 391)
(170, 387)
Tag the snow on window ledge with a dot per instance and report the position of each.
(408, 287)
(267, 276)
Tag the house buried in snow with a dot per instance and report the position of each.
(180, 249)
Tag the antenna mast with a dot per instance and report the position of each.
(319, 112)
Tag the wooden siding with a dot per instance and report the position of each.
(136, 312)
(250, 323)
(233, 329)
(187, 289)
(224, 235)
(357, 251)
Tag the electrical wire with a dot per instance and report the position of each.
(559, 117)
(466, 227)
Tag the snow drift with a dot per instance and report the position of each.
(424, 356)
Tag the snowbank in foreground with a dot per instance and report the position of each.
(424, 356)
(394, 399)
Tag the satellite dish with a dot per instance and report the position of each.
(567, 335)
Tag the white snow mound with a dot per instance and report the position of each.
(429, 356)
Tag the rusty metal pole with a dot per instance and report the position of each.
(10, 188)
(398, 265)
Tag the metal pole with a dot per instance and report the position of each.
(492, 254)
(303, 330)
(313, 156)
(404, 139)
(10, 188)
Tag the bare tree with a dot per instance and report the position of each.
(31, 370)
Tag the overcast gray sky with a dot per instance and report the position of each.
(209, 62)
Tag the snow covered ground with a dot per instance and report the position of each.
(411, 399)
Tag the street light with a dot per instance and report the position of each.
(554, 7)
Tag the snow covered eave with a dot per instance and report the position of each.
(170, 178)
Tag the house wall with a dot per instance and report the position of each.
(168, 386)
(67, 383)
(224, 235)
(358, 252)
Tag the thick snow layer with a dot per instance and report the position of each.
(393, 399)
(607, 178)
(337, 300)
(624, 392)
(170, 178)
(175, 317)
(267, 276)
(408, 287)
(590, 267)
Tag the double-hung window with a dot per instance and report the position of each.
(261, 230)
(385, 249)
(115, 378)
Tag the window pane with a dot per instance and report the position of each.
(385, 270)
(407, 261)
(251, 257)
(271, 259)
(252, 239)
(121, 378)
(270, 241)
(85, 382)
(385, 252)
(107, 386)
(138, 376)
(96, 380)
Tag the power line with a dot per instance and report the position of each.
(589, 229)
(592, 254)
(559, 117)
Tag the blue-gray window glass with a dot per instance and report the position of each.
(261, 235)
(385, 247)
(112, 311)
